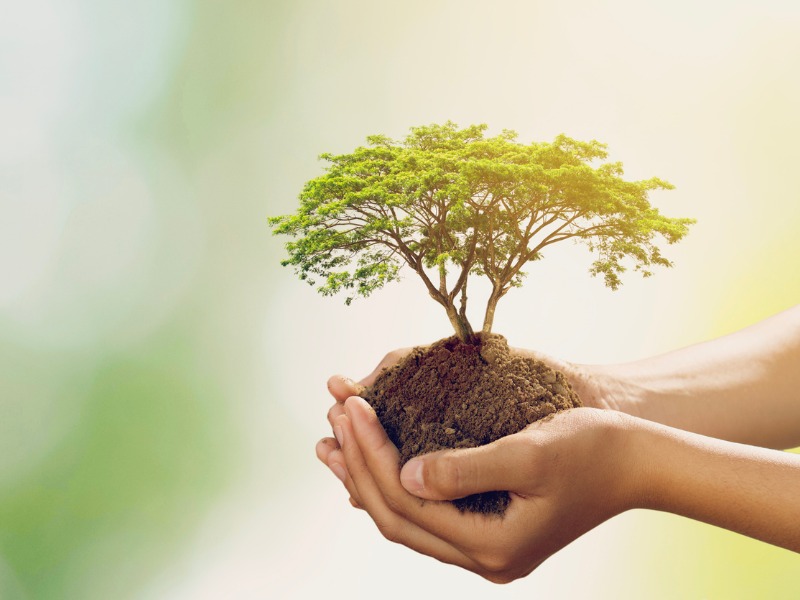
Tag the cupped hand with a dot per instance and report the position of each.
(583, 380)
(566, 475)
(530, 464)
(341, 387)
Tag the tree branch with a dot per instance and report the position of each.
(461, 282)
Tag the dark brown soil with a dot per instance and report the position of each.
(457, 395)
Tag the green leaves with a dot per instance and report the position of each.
(448, 200)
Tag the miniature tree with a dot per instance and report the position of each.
(450, 203)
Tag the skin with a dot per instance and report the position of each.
(677, 433)
(742, 387)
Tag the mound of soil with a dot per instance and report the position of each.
(457, 395)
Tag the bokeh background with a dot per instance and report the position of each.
(162, 378)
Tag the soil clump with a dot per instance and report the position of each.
(457, 395)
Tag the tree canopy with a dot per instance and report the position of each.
(450, 203)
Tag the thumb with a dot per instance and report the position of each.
(451, 474)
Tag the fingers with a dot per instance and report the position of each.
(392, 525)
(428, 528)
(333, 412)
(379, 466)
(324, 448)
(342, 387)
(366, 488)
(329, 452)
(451, 474)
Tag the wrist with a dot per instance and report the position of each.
(659, 456)
(633, 477)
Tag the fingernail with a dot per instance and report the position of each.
(411, 476)
(337, 431)
(338, 470)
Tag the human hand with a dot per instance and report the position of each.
(586, 465)
(566, 475)
(341, 388)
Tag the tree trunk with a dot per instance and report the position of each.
(461, 325)
(491, 305)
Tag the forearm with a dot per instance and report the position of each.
(744, 387)
(749, 490)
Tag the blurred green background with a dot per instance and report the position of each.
(162, 379)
